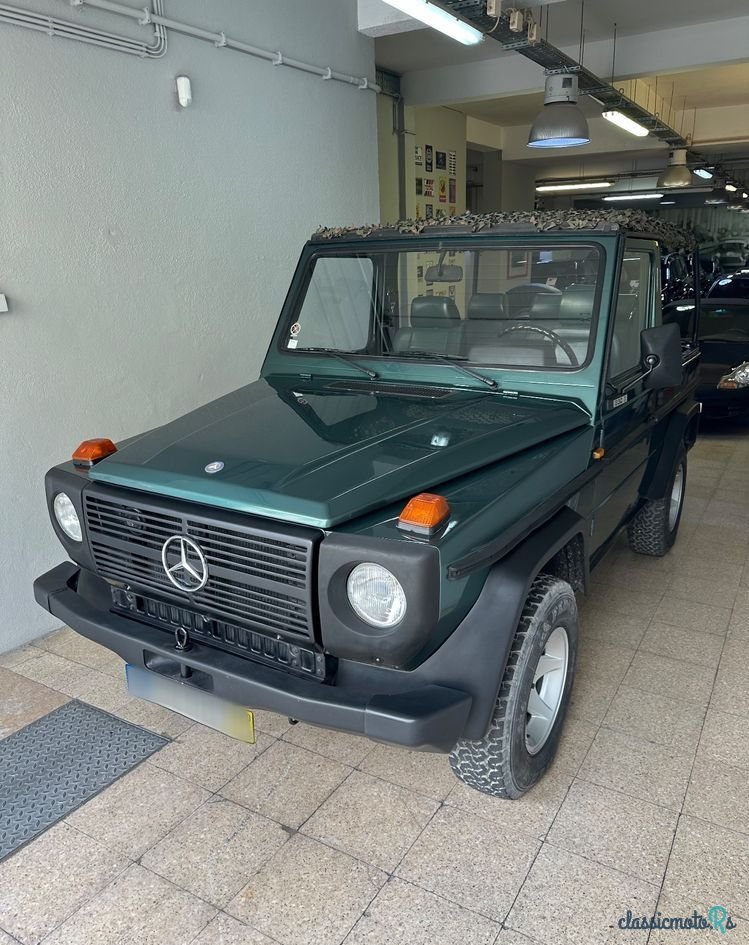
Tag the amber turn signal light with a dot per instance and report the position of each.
(424, 513)
(91, 451)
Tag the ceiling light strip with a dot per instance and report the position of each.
(582, 185)
(439, 20)
(626, 123)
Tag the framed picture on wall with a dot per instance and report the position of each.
(517, 263)
(428, 157)
(429, 211)
(428, 186)
(443, 190)
(441, 158)
(452, 161)
(419, 186)
(418, 155)
(453, 190)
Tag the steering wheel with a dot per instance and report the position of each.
(547, 333)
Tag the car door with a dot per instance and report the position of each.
(625, 430)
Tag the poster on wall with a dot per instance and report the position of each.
(452, 163)
(429, 211)
(452, 211)
(428, 186)
(419, 186)
(441, 159)
(453, 190)
(428, 156)
(418, 155)
(418, 211)
(443, 190)
(517, 264)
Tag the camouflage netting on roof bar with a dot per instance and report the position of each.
(633, 221)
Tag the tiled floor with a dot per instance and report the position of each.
(316, 837)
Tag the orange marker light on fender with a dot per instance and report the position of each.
(92, 451)
(424, 513)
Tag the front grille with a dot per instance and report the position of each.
(257, 578)
(287, 654)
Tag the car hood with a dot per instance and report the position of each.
(322, 453)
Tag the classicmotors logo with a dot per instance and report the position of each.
(717, 919)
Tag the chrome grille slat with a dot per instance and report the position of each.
(259, 579)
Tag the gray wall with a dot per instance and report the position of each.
(145, 250)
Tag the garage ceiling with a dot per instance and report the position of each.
(425, 49)
(706, 88)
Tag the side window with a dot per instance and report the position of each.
(337, 308)
(631, 315)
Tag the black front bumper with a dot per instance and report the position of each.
(379, 703)
(725, 404)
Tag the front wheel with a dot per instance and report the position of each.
(528, 717)
(653, 530)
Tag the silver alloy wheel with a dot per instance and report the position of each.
(547, 690)
(677, 492)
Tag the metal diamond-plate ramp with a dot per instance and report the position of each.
(55, 764)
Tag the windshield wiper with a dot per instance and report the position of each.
(345, 357)
(454, 361)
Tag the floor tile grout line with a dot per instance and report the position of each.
(689, 781)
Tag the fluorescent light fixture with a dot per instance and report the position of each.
(583, 185)
(650, 195)
(560, 123)
(731, 188)
(668, 203)
(626, 123)
(704, 173)
(677, 173)
(716, 196)
(439, 19)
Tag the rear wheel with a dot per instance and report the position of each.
(528, 717)
(653, 530)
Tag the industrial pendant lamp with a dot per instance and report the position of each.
(677, 174)
(560, 123)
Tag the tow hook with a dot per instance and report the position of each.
(181, 644)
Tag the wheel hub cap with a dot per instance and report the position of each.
(547, 690)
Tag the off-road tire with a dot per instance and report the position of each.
(500, 763)
(650, 532)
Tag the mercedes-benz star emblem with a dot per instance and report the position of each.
(215, 467)
(184, 563)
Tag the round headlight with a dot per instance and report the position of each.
(376, 595)
(67, 517)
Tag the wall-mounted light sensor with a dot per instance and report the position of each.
(184, 91)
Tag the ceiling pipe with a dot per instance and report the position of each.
(67, 29)
(221, 41)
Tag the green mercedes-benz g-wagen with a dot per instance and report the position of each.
(384, 534)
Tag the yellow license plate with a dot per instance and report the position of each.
(204, 707)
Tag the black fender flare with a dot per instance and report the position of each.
(485, 635)
(680, 433)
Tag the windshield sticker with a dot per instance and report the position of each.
(295, 329)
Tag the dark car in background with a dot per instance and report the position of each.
(733, 285)
(732, 254)
(723, 336)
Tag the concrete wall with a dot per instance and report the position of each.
(518, 186)
(146, 250)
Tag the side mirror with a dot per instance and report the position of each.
(661, 356)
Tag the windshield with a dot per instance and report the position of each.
(719, 321)
(525, 307)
